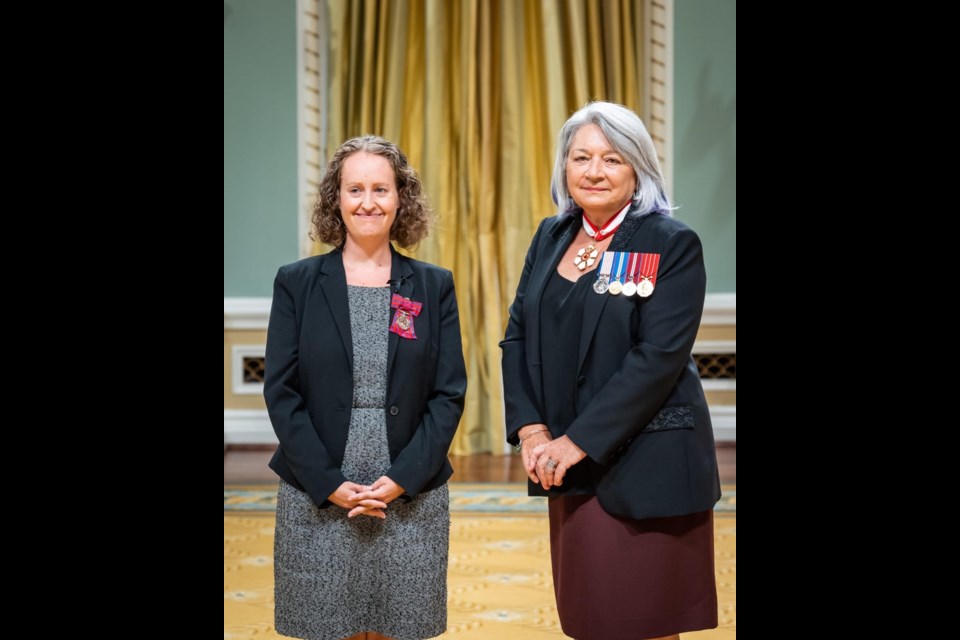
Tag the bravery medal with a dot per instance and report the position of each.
(649, 263)
(645, 288)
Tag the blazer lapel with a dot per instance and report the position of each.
(594, 305)
(556, 245)
(334, 287)
(404, 284)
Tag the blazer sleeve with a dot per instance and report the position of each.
(668, 326)
(308, 458)
(423, 457)
(520, 403)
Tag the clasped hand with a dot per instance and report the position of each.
(366, 500)
(547, 460)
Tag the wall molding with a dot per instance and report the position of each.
(252, 426)
(247, 426)
(253, 313)
(723, 384)
(715, 346)
(657, 65)
(246, 313)
(720, 308)
(312, 73)
(724, 419)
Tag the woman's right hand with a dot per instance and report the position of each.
(346, 496)
(529, 439)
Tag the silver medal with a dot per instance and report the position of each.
(601, 285)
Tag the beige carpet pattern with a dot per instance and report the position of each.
(499, 577)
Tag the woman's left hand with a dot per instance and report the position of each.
(384, 490)
(555, 458)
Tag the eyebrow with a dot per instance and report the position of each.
(603, 152)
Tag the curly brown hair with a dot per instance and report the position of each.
(414, 216)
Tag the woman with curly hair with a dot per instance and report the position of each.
(365, 385)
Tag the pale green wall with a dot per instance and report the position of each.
(705, 131)
(260, 138)
(259, 143)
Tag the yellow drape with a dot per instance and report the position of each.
(475, 92)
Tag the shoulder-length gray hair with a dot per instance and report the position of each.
(626, 133)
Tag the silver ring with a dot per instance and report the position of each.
(551, 464)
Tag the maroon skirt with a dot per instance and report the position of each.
(622, 579)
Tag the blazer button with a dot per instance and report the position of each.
(581, 380)
(394, 410)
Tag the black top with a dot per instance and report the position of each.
(561, 319)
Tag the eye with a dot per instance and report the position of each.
(580, 158)
(353, 190)
(614, 161)
(382, 190)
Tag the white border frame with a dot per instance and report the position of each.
(240, 351)
(716, 346)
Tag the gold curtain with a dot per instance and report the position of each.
(475, 92)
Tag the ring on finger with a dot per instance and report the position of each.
(551, 464)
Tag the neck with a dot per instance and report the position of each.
(374, 251)
(599, 218)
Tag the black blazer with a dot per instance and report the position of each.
(642, 418)
(308, 383)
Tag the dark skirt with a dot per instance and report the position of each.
(622, 579)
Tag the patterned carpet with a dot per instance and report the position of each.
(465, 497)
(499, 577)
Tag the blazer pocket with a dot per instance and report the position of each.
(669, 418)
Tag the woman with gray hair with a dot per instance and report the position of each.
(602, 394)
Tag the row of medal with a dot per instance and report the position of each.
(627, 273)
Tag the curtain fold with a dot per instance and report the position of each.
(475, 92)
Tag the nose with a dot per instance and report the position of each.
(367, 203)
(594, 169)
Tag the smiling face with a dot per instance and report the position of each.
(599, 179)
(368, 197)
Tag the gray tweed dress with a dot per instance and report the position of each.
(336, 577)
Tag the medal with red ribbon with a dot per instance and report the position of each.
(649, 264)
(407, 310)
